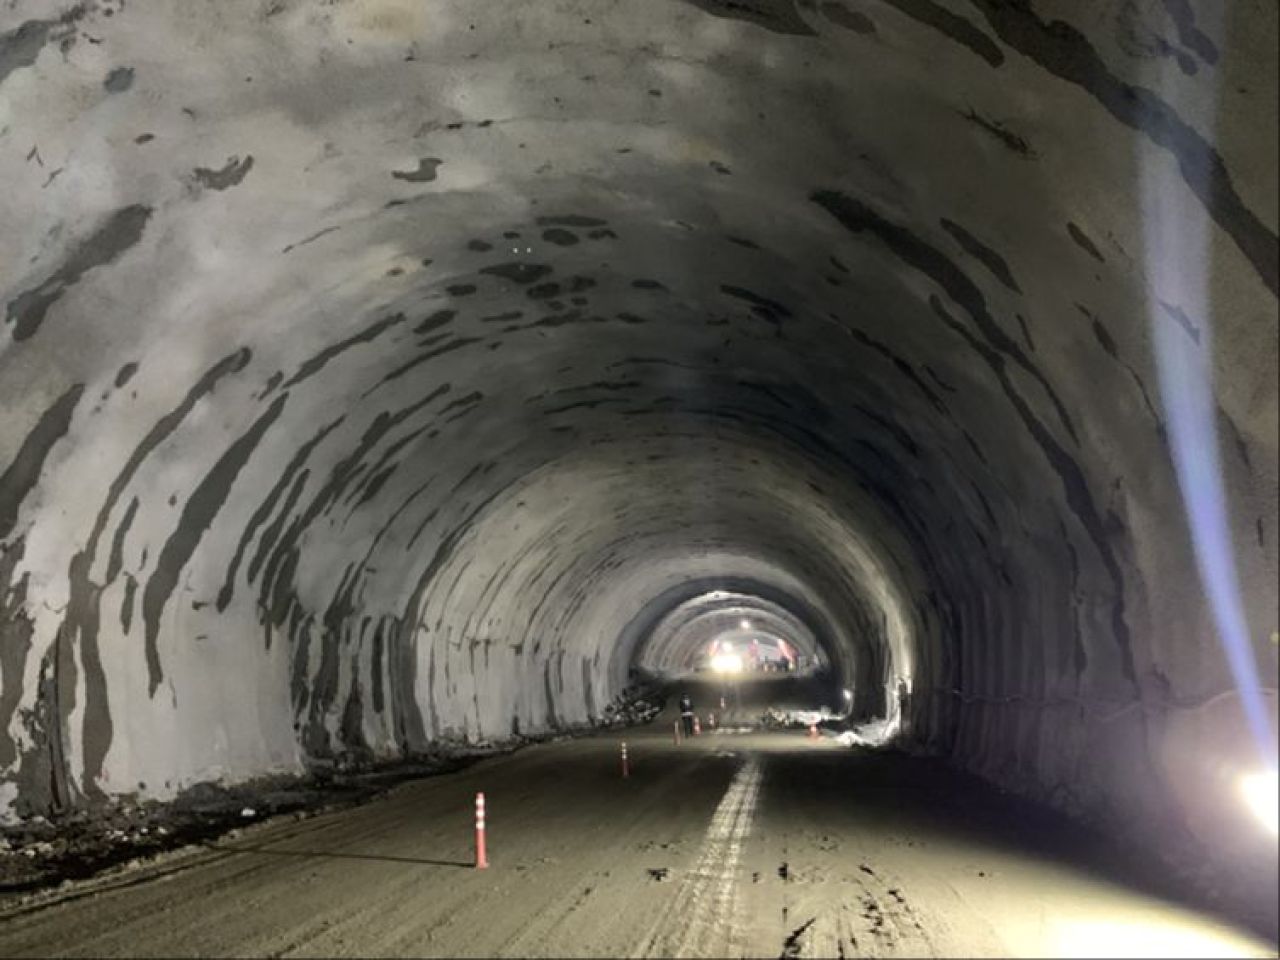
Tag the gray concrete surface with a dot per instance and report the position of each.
(378, 373)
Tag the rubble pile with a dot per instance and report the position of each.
(637, 703)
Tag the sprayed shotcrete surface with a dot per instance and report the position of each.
(379, 373)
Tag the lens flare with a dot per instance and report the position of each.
(1261, 792)
(1176, 235)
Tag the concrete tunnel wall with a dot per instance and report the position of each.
(369, 367)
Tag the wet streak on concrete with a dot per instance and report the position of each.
(200, 509)
(274, 595)
(368, 334)
(570, 220)
(1074, 484)
(1068, 54)
(1081, 240)
(120, 231)
(272, 533)
(560, 237)
(857, 217)
(842, 16)
(1001, 133)
(951, 25)
(22, 475)
(126, 604)
(125, 374)
(521, 273)
(902, 366)
(1179, 316)
(455, 344)
(776, 16)
(435, 321)
(403, 663)
(1189, 35)
(982, 253)
(116, 556)
(266, 507)
(230, 174)
(15, 643)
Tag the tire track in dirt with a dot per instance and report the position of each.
(703, 920)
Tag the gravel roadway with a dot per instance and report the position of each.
(731, 844)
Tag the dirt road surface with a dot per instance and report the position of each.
(731, 844)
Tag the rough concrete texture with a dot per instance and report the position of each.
(378, 372)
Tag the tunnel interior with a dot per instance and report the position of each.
(384, 374)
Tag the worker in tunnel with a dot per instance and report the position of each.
(686, 713)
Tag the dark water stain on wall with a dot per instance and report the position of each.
(858, 217)
(116, 556)
(1001, 132)
(369, 333)
(22, 475)
(118, 80)
(229, 175)
(125, 374)
(521, 273)
(198, 512)
(120, 231)
(776, 16)
(560, 237)
(21, 47)
(982, 253)
(853, 20)
(570, 220)
(267, 506)
(1081, 240)
(1067, 54)
(950, 25)
(15, 644)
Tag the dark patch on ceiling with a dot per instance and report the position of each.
(982, 253)
(118, 80)
(230, 174)
(120, 231)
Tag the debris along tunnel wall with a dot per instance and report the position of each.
(369, 369)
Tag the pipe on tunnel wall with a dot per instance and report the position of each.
(375, 375)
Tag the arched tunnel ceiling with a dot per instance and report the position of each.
(369, 367)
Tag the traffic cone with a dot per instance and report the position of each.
(813, 731)
(697, 727)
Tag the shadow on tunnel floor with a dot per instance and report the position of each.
(323, 855)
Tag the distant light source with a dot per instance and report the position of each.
(848, 694)
(726, 663)
(746, 624)
(1261, 792)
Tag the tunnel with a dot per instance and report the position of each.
(381, 377)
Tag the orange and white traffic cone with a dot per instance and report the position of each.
(813, 731)
(482, 854)
(697, 727)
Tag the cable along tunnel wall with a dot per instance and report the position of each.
(369, 371)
